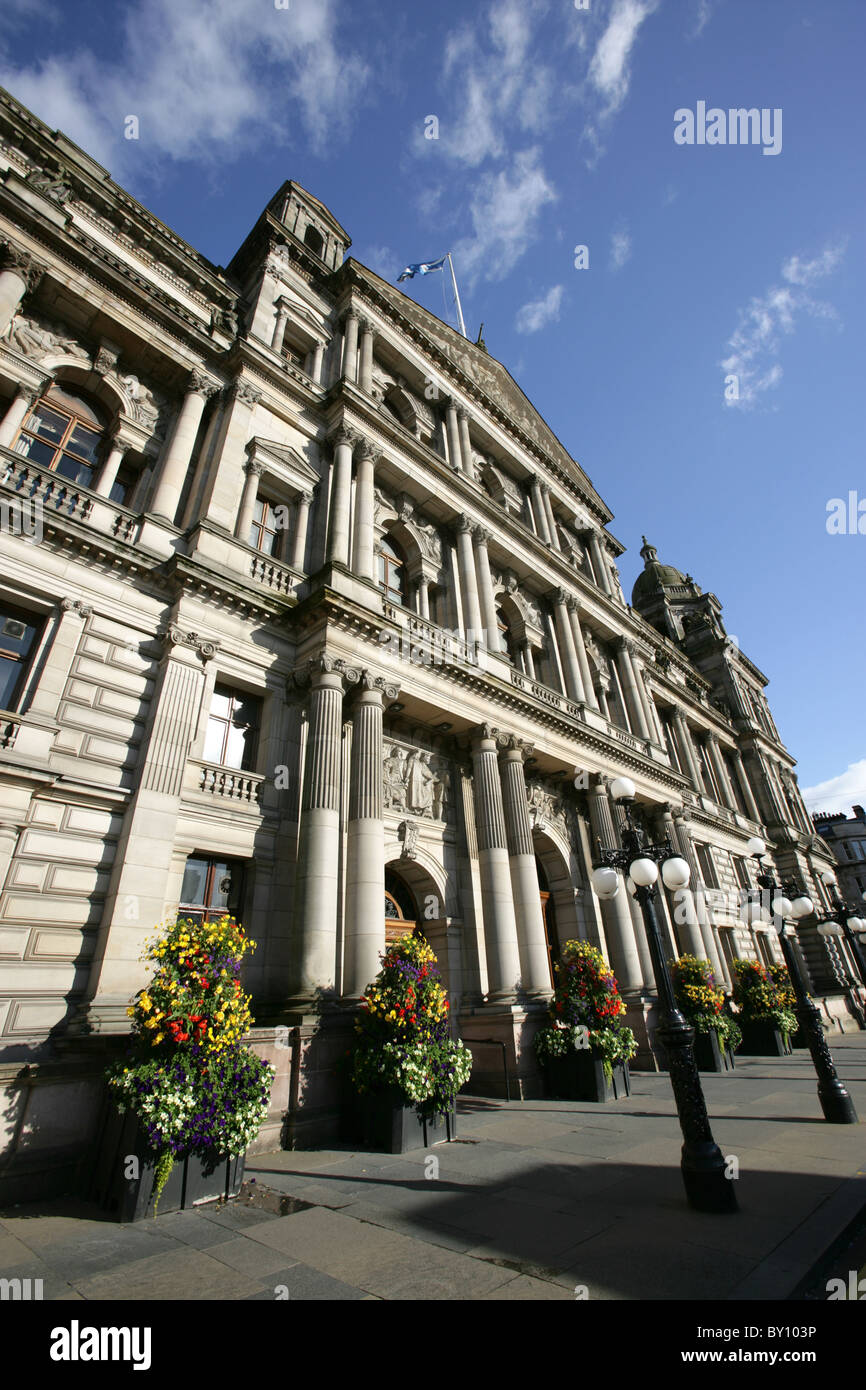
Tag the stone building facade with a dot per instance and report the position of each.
(308, 615)
(846, 837)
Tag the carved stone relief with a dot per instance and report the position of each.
(416, 781)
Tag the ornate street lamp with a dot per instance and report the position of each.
(702, 1164)
(835, 1101)
(845, 917)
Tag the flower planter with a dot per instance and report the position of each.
(130, 1198)
(762, 1039)
(382, 1121)
(581, 1076)
(710, 1053)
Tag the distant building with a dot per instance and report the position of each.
(847, 839)
(306, 614)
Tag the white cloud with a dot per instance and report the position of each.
(385, 262)
(505, 210)
(839, 793)
(205, 81)
(620, 248)
(536, 315)
(703, 14)
(761, 326)
(609, 70)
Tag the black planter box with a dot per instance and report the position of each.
(381, 1121)
(710, 1054)
(192, 1179)
(762, 1040)
(581, 1076)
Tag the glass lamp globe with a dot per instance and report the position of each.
(622, 789)
(756, 846)
(675, 873)
(782, 907)
(801, 907)
(828, 878)
(829, 929)
(605, 882)
(644, 872)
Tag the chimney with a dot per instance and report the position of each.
(859, 812)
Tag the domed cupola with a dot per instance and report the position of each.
(654, 578)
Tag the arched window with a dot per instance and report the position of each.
(392, 572)
(65, 433)
(506, 639)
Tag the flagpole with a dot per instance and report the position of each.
(457, 296)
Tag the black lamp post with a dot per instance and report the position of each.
(847, 920)
(835, 1101)
(702, 1164)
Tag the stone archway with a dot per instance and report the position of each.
(425, 886)
(556, 884)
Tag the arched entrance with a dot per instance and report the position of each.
(401, 909)
(548, 916)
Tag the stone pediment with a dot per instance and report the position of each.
(491, 376)
(286, 459)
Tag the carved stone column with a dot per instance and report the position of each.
(616, 916)
(465, 442)
(253, 470)
(365, 371)
(19, 273)
(528, 660)
(683, 909)
(299, 539)
(687, 751)
(313, 949)
(565, 633)
(551, 519)
(282, 306)
(725, 789)
(350, 346)
(500, 926)
(341, 496)
(24, 401)
(531, 939)
(540, 513)
(363, 556)
(705, 944)
(574, 606)
(452, 428)
(318, 358)
(746, 787)
(485, 586)
(110, 469)
(636, 715)
(599, 562)
(179, 450)
(472, 621)
(139, 885)
(365, 849)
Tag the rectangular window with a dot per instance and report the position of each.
(19, 631)
(267, 526)
(706, 866)
(741, 869)
(670, 741)
(211, 889)
(233, 729)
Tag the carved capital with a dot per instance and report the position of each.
(176, 637)
(77, 606)
(512, 744)
(342, 435)
(465, 525)
(21, 263)
(561, 596)
(481, 535)
(325, 665)
(201, 385)
(253, 468)
(366, 451)
(243, 392)
(105, 360)
(306, 498)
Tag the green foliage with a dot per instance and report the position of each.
(764, 997)
(584, 1010)
(702, 1002)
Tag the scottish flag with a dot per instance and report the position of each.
(421, 268)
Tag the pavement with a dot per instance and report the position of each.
(535, 1200)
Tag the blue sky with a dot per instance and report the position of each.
(556, 130)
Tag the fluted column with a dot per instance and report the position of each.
(472, 620)
(684, 912)
(551, 519)
(580, 648)
(540, 513)
(24, 401)
(564, 631)
(109, 470)
(365, 371)
(350, 346)
(687, 752)
(179, 451)
(652, 714)
(299, 539)
(363, 556)
(634, 907)
(485, 586)
(500, 926)
(721, 772)
(452, 427)
(365, 846)
(708, 948)
(599, 563)
(618, 926)
(318, 359)
(313, 948)
(628, 680)
(253, 470)
(531, 939)
(282, 305)
(19, 274)
(465, 442)
(341, 497)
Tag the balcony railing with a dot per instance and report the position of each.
(272, 574)
(226, 784)
(8, 731)
(50, 490)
